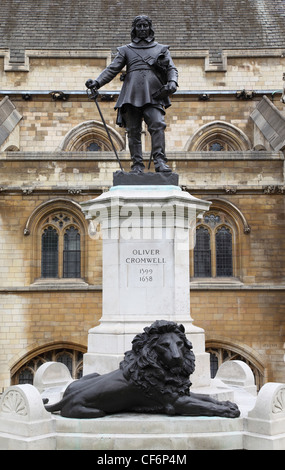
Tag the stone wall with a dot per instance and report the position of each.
(45, 122)
(249, 318)
(32, 320)
(66, 70)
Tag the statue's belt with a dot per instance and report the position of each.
(138, 67)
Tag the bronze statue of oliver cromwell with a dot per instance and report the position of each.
(150, 78)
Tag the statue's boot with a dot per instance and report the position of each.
(158, 152)
(156, 131)
(160, 165)
(137, 168)
(135, 147)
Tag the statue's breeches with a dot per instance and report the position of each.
(154, 119)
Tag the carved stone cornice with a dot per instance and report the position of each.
(274, 189)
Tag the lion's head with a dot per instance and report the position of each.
(161, 360)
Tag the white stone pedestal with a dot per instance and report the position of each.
(147, 233)
(26, 425)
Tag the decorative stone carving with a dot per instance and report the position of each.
(271, 189)
(270, 402)
(265, 423)
(24, 422)
(278, 405)
(13, 402)
(245, 95)
(22, 403)
(27, 191)
(230, 190)
(75, 191)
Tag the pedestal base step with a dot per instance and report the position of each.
(136, 431)
(125, 179)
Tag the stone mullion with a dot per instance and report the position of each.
(60, 254)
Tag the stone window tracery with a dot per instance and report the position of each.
(49, 261)
(224, 259)
(214, 246)
(218, 136)
(91, 136)
(72, 358)
(202, 253)
(220, 354)
(60, 247)
(58, 235)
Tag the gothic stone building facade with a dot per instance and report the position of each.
(225, 137)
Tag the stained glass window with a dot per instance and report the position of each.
(213, 365)
(26, 376)
(202, 253)
(71, 253)
(66, 359)
(93, 147)
(50, 252)
(73, 359)
(61, 247)
(214, 248)
(216, 147)
(224, 262)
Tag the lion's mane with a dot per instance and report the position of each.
(142, 367)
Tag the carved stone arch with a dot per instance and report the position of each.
(38, 220)
(12, 148)
(233, 211)
(224, 134)
(50, 206)
(41, 351)
(226, 350)
(91, 132)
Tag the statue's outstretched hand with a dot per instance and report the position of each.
(91, 83)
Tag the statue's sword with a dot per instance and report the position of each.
(92, 94)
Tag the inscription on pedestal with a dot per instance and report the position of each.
(145, 264)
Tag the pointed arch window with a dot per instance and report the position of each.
(219, 136)
(61, 246)
(72, 358)
(91, 136)
(71, 253)
(58, 235)
(93, 147)
(214, 247)
(224, 259)
(220, 353)
(202, 253)
(50, 252)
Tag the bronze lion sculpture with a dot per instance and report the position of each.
(152, 378)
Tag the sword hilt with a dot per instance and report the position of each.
(92, 93)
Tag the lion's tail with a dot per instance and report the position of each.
(54, 407)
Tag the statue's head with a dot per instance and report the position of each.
(142, 28)
(161, 358)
